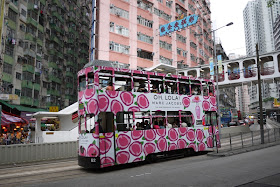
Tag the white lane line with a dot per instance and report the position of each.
(25, 173)
(141, 175)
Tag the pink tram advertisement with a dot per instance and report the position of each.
(129, 116)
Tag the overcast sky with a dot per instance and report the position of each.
(232, 37)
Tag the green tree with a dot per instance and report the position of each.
(270, 3)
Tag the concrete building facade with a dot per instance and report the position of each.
(128, 32)
(258, 26)
(44, 44)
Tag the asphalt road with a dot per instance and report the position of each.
(256, 168)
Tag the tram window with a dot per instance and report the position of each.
(186, 119)
(89, 122)
(90, 80)
(156, 86)
(104, 81)
(207, 119)
(171, 85)
(173, 120)
(122, 84)
(158, 119)
(82, 125)
(213, 118)
(211, 89)
(184, 87)
(144, 119)
(195, 87)
(140, 85)
(106, 122)
(82, 83)
(205, 88)
(124, 121)
(105, 72)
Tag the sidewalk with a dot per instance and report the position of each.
(222, 153)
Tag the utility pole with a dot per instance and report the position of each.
(260, 94)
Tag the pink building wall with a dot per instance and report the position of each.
(104, 36)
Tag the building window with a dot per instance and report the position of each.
(162, 14)
(12, 15)
(119, 12)
(165, 45)
(26, 92)
(145, 38)
(119, 48)
(22, 27)
(164, 60)
(145, 54)
(23, 12)
(7, 68)
(193, 45)
(27, 76)
(145, 5)
(181, 38)
(112, 27)
(145, 22)
(18, 75)
(17, 92)
(169, 4)
(122, 30)
(9, 49)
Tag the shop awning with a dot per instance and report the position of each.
(22, 108)
(8, 118)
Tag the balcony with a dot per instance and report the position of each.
(53, 65)
(43, 2)
(58, 16)
(58, 3)
(53, 92)
(26, 84)
(8, 59)
(12, 24)
(26, 100)
(32, 22)
(69, 85)
(28, 68)
(37, 86)
(52, 51)
(7, 77)
(55, 79)
(55, 39)
(69, 74)
(29, 37)
(55, 27)
(70, 63)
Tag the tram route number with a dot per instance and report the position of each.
(93, 160)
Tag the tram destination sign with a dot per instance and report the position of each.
(177, 25)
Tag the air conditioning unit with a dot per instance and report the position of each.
(112, 6)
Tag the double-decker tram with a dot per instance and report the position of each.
(129, 116)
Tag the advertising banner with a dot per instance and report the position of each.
(219, 58)
(211, 63)
(178, 24)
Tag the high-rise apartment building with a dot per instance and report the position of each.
(258, 26)
(127, 31)
(44, 44)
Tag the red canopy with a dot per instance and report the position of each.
(8, 118)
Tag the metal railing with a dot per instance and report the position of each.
(234, 141)
(22, 153)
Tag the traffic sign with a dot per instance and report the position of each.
(53, 109)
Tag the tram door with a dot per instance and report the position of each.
(106, 139)
(211, 121)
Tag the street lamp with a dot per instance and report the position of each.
(217, 74)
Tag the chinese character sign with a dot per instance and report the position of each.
(176, 25)
(219, 58)
(211, 66)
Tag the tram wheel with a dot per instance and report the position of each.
(151, 158)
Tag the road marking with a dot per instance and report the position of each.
(25, 173)
(141, 175)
